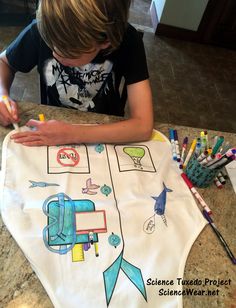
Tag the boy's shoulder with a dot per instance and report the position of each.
(32, 28)
(29, 34)
(132, 35)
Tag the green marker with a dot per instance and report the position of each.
(218, 144)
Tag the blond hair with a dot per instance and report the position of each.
(76, 26)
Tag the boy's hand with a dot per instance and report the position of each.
(6, 117)
(45, 133)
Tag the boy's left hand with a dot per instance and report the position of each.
(45, 133)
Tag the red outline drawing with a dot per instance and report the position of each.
(74, 160)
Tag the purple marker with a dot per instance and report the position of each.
(177, 145)
(222, 162)
(220, 237)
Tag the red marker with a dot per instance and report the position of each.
(218, 183)
(196, 194)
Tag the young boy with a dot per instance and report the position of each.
(82, 49)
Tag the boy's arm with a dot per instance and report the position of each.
(137, 128)
(6, 78)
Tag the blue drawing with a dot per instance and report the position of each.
(114, 240)
(41, 184)
(60, 235)
(99, 148)
(90, 187)
(160, 203)
(159, 209)
(106, 190)
(110, 276)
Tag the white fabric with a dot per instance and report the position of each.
(143, 225)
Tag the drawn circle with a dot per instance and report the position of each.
(114, 240)
(99, 148)
(70, 155)
(106, 190)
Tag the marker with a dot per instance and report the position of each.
(218, 144)
(218, 183)
(172, 140)
(214, 141)
(225, 147)
(209, 150)
(221, 178)
(203, 142)
(218, 156)
(231, 152)
(206, 138)
(7, 104)
(190, 153)
(177, 145)
(231, 158)
(224, 173)
(180, 165)
(184, 146)
(41, 117)
(196, 194)
(198, 148)
(222, 162)
(207, 160)
(202, 156)
(96, 249)
(220, 237)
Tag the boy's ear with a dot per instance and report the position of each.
(105, 45)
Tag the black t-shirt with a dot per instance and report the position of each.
(92, 87)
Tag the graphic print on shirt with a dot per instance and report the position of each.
(78, 86)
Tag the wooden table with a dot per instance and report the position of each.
(19, 286)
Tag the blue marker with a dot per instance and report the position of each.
(172, 140)
(198, 148)
(220, 237)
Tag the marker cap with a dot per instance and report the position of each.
(41, 117)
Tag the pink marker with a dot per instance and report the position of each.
(184, 146)
(196, 193)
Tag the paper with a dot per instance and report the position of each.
(231, 169)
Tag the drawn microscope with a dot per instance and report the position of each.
(72, 225)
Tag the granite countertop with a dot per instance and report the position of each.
(20, 287)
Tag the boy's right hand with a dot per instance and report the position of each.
(6, 117)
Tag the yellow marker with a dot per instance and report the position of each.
(96, 249)
(192, 148)
(41, 117)
(77, 253)
(7, 103)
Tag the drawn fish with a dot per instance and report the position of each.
(41, 184)
(89, 187)
(160, 204)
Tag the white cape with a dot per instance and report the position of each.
(101, 225)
